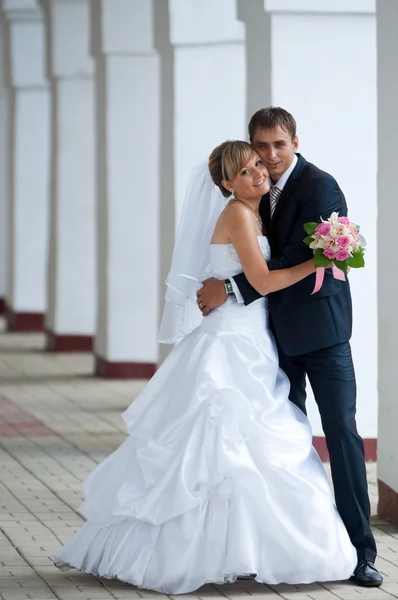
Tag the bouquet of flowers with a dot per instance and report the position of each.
(335, 240)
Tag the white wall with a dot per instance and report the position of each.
(324, 73)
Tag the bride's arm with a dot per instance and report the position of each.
(242, 233)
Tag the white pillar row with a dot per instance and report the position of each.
(387, 100)
(3, 171)
(71, 284)
(28, 147)
(127, 122)
(330, 88)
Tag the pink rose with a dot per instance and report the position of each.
(342, 255)
(323, 229)
(343, 241)
(344, 220)
(353, 229)
(330, 253)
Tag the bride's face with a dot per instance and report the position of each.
(252, 180)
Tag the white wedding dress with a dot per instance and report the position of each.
(218, 477)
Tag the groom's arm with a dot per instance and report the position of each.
(323, 197)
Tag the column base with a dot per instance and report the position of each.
(23, 321)
(370, 444)
(68, 343)
(123, 370)
(387, 507)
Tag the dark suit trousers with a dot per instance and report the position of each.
(332, 377)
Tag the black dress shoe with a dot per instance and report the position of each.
(367, 575)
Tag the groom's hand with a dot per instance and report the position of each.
(211, 295)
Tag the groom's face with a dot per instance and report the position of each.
(276, 149)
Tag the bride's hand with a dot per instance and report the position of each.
(211, 295)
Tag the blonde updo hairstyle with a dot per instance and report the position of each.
(227, 160)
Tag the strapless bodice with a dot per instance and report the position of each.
(225, 261)
(232, 317)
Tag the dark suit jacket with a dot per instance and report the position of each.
(303, 323)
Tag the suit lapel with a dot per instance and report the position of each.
(287, 191)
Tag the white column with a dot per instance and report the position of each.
(127, 121)
(258, 54)
(70, 319)
(28, 145)
(191, 126)
(3, 172)
(167, 208)
(323, 70)
(204, 92)
(387, 218)
(209, 82)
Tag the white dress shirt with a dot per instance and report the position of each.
(280, 184)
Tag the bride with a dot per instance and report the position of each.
(218, 477)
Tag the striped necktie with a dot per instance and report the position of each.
(274, 194)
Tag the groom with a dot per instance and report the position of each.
(312, 331)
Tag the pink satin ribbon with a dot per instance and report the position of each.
(320, 274)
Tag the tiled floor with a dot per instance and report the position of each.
(56, 423)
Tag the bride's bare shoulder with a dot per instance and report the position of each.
(227, 218)
(235, 216)
(235, 211)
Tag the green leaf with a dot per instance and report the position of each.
(356, 261)
(341, 264)
(363, 241)
(310, 227)
(320, 260)
(308, 240)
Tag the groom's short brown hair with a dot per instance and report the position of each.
(269, 118)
